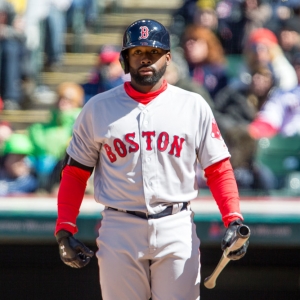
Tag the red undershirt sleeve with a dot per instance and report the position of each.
(70, 196)
(222, 184)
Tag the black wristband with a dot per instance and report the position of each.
(62, 234)
(236, 222)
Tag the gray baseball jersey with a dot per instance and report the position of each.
(145, 155)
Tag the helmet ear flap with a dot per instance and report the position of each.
(124, 61)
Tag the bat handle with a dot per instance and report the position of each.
(242, 235)
(210, 281)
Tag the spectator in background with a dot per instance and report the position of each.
(12, 46)
(295, 6)
(55, 29)
(237, 19)
(5, 133)
(106, 74)
(36, 12)
(277, 127)
(51, 139)
(258, 14)
(82, 14)
(262, 48)
(89, 10)
(281, 10)
(239, 105)
(193, 12)
(175, 76)
(182, 17)
(205, 57)
(205, 15)
(238, 108)
(281, 113)
(45, 34)
(289, 37)
(16, 173)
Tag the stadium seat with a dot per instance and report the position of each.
(235, 63)
(280, 154)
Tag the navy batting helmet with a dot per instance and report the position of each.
(144, 32)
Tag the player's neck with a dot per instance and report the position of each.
(146, 89)
(143, 98)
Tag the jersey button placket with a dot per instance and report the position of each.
(146, 156)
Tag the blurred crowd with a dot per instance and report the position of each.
(241, 56)
(32, 37)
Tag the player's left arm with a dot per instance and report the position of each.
(222, 183)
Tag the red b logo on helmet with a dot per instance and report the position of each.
(144, 32)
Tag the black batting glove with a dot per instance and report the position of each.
(72, 252)
(228, 239)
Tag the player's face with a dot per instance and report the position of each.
(147, 65)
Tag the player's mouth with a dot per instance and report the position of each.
(146, 71)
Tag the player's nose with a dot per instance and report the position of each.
(146, 59)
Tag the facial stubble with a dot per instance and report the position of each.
(148, 80)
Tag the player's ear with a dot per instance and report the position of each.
(168, 57)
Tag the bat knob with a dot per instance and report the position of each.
(243, 231)
(210, 284)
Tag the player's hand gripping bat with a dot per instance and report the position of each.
(241, 236)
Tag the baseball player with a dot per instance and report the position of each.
(143, 139)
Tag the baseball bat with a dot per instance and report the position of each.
(242, 235)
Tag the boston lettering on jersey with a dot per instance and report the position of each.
(130, 145)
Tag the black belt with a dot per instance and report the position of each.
(168, 211)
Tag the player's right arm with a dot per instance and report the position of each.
(74, 179)
(82, 155)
